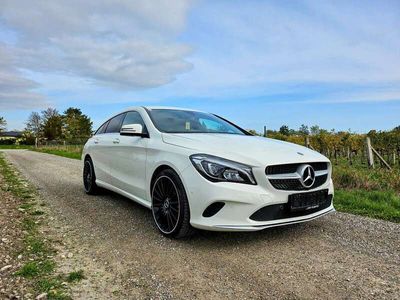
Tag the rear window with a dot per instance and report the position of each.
(102, 128)
(114, 124)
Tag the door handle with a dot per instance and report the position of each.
(96, 141)
(116, 141)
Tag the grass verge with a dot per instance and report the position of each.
(39, 264)
(15, 147)
(375, 204)
(69, 151)
(59, 152)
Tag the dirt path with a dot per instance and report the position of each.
(114, 241)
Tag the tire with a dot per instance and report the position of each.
(89, 178)
(170, 206)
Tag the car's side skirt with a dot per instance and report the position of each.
(110, 187)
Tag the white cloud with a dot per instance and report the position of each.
(15, 90)
(124, 44)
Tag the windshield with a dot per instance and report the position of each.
(182, 121)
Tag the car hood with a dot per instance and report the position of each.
(251, 150)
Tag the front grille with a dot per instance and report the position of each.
(293, 184)
(291, 168)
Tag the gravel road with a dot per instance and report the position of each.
(339, 256)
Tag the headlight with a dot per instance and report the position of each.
(219, 169)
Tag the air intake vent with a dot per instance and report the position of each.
(212, 209)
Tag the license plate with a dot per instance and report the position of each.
(306, 201)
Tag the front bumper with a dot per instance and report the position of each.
(241, 201)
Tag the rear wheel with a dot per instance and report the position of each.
(89, 178)
(170, 206)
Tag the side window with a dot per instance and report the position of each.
(115, 124)
(133, 117)
(102, 128)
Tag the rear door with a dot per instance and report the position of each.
(129, 159)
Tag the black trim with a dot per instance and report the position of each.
(291, 168)
(296, 221)
(213, 209)
(295, 184)
(295, 207)
(105, 123)
(120, 123)
(234, 125)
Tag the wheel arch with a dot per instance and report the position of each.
(158, 170)
(87, 156)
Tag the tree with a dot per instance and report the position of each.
(48, 113)
(3, 124)
(75, 124)
(315, 130)
(284, 130)
(303, 130)
(52, 124)
(34, 124)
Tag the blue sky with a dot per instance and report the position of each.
(335, 64)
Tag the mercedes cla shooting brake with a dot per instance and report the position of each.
(198, 170)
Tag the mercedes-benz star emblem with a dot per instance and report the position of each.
(307, 174)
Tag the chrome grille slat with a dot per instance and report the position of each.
(286, 177)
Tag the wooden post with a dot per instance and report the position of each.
(336, 156)
(370, 155)
(383, 162)
(36, 142)
(307, 142)
(265, 131)
(350, 155)
(394, 157)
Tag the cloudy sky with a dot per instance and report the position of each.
(335, 64)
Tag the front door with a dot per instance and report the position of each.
(129, 159)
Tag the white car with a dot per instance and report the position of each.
(197, 170)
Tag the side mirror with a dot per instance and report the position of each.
(132, 130)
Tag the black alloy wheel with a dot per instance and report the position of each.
(170, 205)
(89, 178)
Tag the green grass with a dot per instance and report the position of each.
(75, 276)
(29, 224)
(39, 267)
(35, 245)
(15, 147)
(59, 152)
(359, 176)
(35, 268)
(69, 151)
(375, 204)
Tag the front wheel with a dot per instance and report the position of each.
(170, 205)
(89, 178)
